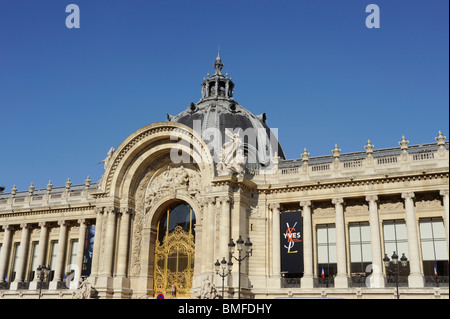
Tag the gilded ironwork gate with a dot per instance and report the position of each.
(174, 259)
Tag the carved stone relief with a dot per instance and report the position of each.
(428, 200)
(162, 179)
(391, 203)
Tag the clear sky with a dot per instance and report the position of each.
(321, 76)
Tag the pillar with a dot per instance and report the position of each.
(276, 242)
(209, 244)
(6, 247)
(341, 280)
(109, 242)
(97, 244)
(58, 275)
(105, 278)
(40, 260)
(121, 280)
(22, 257)
(415, 279)
(225, 227)
(307, 280)
(376, 279)
(80, 252)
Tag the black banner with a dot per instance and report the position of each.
(88, 250)
(291, 242)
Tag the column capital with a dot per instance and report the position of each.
(338, 201)
(24, 225)
(111, 209)
(99, 210)
(213, 200)
(444, 192)
(408, 195)
(62, 222)
(274, 206)
(305, 203)
(372, 198)
(43, 224)
(81, 221)
(125, 210)
(6, 227)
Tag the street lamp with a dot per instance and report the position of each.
(240, 246)
(223, 265)
(387, 264)
(42, 273)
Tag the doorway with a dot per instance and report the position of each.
(174, 251)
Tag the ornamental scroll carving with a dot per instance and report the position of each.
(171, 181)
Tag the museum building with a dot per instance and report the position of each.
(212, 183)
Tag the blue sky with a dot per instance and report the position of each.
(321, 76)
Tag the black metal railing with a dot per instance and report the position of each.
(327, 282)
(390, 281)
(4, 285)
(433, 281)
(290, 282)
(358, 281)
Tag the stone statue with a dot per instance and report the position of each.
(208, 289)
(84, 291)
(232, 159)
(108, 157)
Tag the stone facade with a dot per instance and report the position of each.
(141, 179)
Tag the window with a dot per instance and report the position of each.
(396, 239)
(434, 247)
(35, 249)
(73, 252)
(360, 249)
(15, 261)
(72, 259)
(54, 250)
(326, 250)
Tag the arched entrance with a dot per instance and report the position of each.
(174, 251)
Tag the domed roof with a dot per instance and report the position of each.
(217, 112)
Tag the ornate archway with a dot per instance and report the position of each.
(175, 251)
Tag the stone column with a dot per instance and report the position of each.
(6, 247)
(276, 241)
(225, 227)
(210, 236)
(121, 280)
(22, 257)
(40, 260)
(341, 280)
(80, 251)
(307, 280)
(376, 279)
(58, 275)
(105, 279)
(109, 242)
(123, 243)
(97, 244)
(444, 194)
(415, 279)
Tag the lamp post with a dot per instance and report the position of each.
(223, 265)
(387, 264)
(42, 273)
(240, 246)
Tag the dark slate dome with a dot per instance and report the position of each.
(217, 112)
